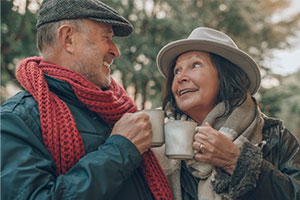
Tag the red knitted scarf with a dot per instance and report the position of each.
(60, 134)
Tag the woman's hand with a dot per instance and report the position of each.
(215, 148)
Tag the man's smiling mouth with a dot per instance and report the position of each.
(106, 64)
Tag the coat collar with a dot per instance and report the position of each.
(63, 90)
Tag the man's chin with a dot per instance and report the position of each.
(105, 86)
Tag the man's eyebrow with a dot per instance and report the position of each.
(109, 31)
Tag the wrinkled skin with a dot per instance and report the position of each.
(195, 88)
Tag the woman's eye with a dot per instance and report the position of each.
(196, 65)
(176, 71)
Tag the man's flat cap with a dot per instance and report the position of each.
(56, 10)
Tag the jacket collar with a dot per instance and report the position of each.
(270, 132)
(63, 90)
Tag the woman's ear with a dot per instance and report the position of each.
(66, 37)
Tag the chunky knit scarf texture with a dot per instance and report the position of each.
(59, 131)
(245, 123)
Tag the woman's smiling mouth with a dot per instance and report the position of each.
(184, 91)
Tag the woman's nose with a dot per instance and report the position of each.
(182, 77)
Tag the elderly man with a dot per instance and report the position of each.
(74, 133)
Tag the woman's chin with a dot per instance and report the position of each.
(186, 108)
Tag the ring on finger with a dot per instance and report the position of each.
(200, 147)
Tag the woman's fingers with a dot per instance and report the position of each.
(215, 148)
(198, 146)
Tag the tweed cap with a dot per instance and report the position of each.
(56, 10)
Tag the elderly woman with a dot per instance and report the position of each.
(240, 153)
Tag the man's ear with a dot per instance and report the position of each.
(66, 37)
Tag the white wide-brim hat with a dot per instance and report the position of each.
(213, 41)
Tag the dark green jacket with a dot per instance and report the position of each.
(109, 170)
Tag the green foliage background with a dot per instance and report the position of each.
(158, 22)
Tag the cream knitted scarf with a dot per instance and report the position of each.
(245, 123)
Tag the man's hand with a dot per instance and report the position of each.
(136, 127)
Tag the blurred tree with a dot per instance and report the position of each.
(156, 23)
(284, 102)
(17, 38)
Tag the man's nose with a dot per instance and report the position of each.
(114, 50)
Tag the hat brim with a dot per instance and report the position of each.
(167, 55)
(121, 29)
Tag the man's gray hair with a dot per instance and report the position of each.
(47, 33)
